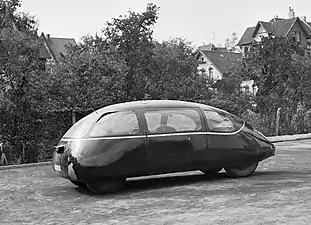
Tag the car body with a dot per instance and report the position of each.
(155, 137)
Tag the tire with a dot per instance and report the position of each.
(78, 183)
(242, 170)
(212, 171)
(107, 186)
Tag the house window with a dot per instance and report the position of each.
(309, 55)
(296, 36)
(309, 43)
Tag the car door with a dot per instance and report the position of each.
(173, 135)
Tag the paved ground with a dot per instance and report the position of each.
(278, 193)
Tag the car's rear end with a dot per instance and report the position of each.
(61, 159)
(63, 162)
(267, 148)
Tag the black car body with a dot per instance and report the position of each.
(155, 137)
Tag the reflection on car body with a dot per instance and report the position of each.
(154, 137)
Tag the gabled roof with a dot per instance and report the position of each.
(212, 47)
(223, 61)
(267, 26)
(208, 47)
(306, 26)
(247, 37)
(275, 19)
(276, 27)
(56, 46)
(282, 27)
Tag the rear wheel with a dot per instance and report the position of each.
(78, 183)
(242, 170)
(212, 171)
(106, 186)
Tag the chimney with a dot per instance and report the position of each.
(304, 18)
(48, 35)
(291, 13)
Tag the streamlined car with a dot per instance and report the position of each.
(143, 138)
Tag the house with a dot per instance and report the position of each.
(215, 63)
(212, 47)
(296, 28)
(53, 49)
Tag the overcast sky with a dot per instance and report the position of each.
(197, 21)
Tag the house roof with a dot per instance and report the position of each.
(276, 19)
(208, 47)
(276, 27)
(247, 37)
(223, 61)
(267, 26)
(212, 47)
(56, 46)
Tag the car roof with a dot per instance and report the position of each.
(146, 104)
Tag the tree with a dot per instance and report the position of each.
(19, 65)
(89, 77)
(275, 66)
(131, 35)
(174, 73)
(229, 94)
(231, 43)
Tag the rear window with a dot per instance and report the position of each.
(219, 121)
(81, 128)
(116, 123)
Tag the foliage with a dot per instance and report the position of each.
(174, 74)
(131, 36)
(19, 65)
(275, 65)
(89, 77)
(230, 44)
(229, 94)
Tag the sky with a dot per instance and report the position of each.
(197, 21)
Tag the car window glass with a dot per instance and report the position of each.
(80, 128)
(118, 123)
(169, 121)
(219, 121)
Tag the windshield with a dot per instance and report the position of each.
(80, 128)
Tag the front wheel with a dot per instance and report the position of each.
(106, 186)
(242, 170)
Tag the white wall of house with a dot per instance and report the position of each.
(261, 32)
(248, 85)
(209, 68)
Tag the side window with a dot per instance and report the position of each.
(173, 120)
(116, 123)
(221, 122)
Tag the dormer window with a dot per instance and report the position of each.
(296, 36)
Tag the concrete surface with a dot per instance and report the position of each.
(278, 193)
